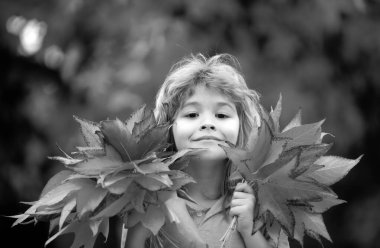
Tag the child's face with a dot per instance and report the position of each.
(206, 119)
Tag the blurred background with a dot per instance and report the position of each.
(103, 59)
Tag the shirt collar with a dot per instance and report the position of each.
(218, 207)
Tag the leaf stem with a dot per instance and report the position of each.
(231, 228)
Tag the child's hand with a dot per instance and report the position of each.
(242, 205)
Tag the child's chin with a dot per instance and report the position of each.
(213, 153)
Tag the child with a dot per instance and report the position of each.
(209, 104)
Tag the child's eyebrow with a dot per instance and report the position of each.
(222, 104)
(218, 104)
(191, 104)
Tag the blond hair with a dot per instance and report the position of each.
(220, 72)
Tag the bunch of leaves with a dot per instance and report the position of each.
(125, 170)
(290, 175)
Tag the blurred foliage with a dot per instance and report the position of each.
(99, 59)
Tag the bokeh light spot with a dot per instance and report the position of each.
(53, 57)
(32, 36)
(15, 24)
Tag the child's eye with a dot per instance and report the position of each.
(221, 116)
(192, 115)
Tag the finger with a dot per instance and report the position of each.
(239, 202)
(244, 187)
(236, 211)
(242, 195)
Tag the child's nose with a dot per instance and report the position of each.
(207, 127)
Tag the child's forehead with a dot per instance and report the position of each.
(204, 90)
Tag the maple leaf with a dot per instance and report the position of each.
(295, 122)
(84, 233)
(167, 216)
(290, 176)
(141, 121)
(275, 115)
(89, 132)
(54, 199)
(89, 198)
(181, 229)
(334, 169)
(121, 171)
(56, 180)
(250, 159)
(278, 237)
(276, 191)
(309, 223)
(146, 135)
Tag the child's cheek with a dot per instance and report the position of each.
(233, 131)
(179, 134)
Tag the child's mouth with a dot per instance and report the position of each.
(207, 138)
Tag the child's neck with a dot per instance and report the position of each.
(209, 177)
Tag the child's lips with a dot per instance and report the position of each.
(207, 138)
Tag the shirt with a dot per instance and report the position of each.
(212, 224)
